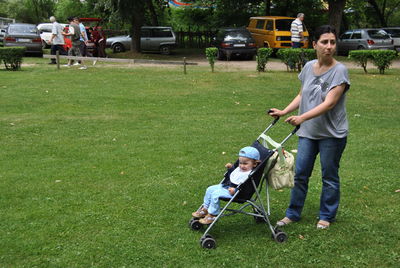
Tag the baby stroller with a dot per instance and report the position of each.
(248, 193)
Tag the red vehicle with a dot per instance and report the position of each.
(96, 39)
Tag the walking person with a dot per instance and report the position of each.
(74, 34)
(82, 37)
(323, 128)
(56, 39)
(297, 30)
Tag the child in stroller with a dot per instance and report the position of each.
(249, 158)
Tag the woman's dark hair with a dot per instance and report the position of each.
(323, 30)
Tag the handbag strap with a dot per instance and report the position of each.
(277, 146)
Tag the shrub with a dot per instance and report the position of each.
(360, 57)
(211, 54)
(382, 59)
(12, 57)
(295, 58)
(262, 58)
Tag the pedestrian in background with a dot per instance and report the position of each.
(296, 30)
(74, 34)
(56, 39)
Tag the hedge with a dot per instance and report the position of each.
(262, 58)
(211, 54)
(295, 58)
(12, 57)
(382, 59)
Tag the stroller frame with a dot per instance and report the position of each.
(257, 177)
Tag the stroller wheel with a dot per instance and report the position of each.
(194, 224)
(208, 242)
(204, 237)
(280, 236)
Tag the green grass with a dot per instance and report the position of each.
(103, 167)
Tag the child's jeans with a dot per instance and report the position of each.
(211, 198)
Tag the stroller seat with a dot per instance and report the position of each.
(247, 189)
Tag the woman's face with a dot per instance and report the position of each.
(326, 45)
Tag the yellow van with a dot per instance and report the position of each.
(274, 31)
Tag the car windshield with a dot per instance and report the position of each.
(12, 29)
(393, 32)
(283, 25)
(378, 34)
(240, 35)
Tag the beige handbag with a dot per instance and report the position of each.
(281, 170)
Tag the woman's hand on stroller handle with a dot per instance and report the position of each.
(293, 120)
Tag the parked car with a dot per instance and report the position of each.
(359, 39)
(45, 33)
(154, 38)
(394, 33)
(274, 31)
(24, 35)
(234, 42)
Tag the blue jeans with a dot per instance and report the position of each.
(211, 198)
(297, 44)
(330, 151)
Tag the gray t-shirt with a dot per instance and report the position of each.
(57, 30)
(332, 124)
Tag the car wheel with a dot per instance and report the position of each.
(360, 48)
(165, 50)
(118, 47)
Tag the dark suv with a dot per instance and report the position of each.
(234, 42)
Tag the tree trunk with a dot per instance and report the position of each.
(137, 22)
(267, 7)
(153, 14)
(336, 8)
(379, 13)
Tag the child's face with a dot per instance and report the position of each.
(246, 164)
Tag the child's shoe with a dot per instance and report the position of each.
(201, 213)
(207, 219)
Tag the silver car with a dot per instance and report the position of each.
(394, 33)
(154, 38)
(359, 39)
(23, 35)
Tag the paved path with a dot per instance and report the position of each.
(273, 65)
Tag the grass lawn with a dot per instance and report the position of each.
(103, 167)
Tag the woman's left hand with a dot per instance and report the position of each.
(295, 120)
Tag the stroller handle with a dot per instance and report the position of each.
(276, 119)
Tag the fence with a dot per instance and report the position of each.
(194, 39)
(184, 63)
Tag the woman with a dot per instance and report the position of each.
(324, 127)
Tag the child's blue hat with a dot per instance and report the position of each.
(249, 152)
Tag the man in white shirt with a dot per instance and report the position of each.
(296, 30)
(56, 39)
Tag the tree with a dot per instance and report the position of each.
(384, 9)
(29, 11)
(336, 8)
